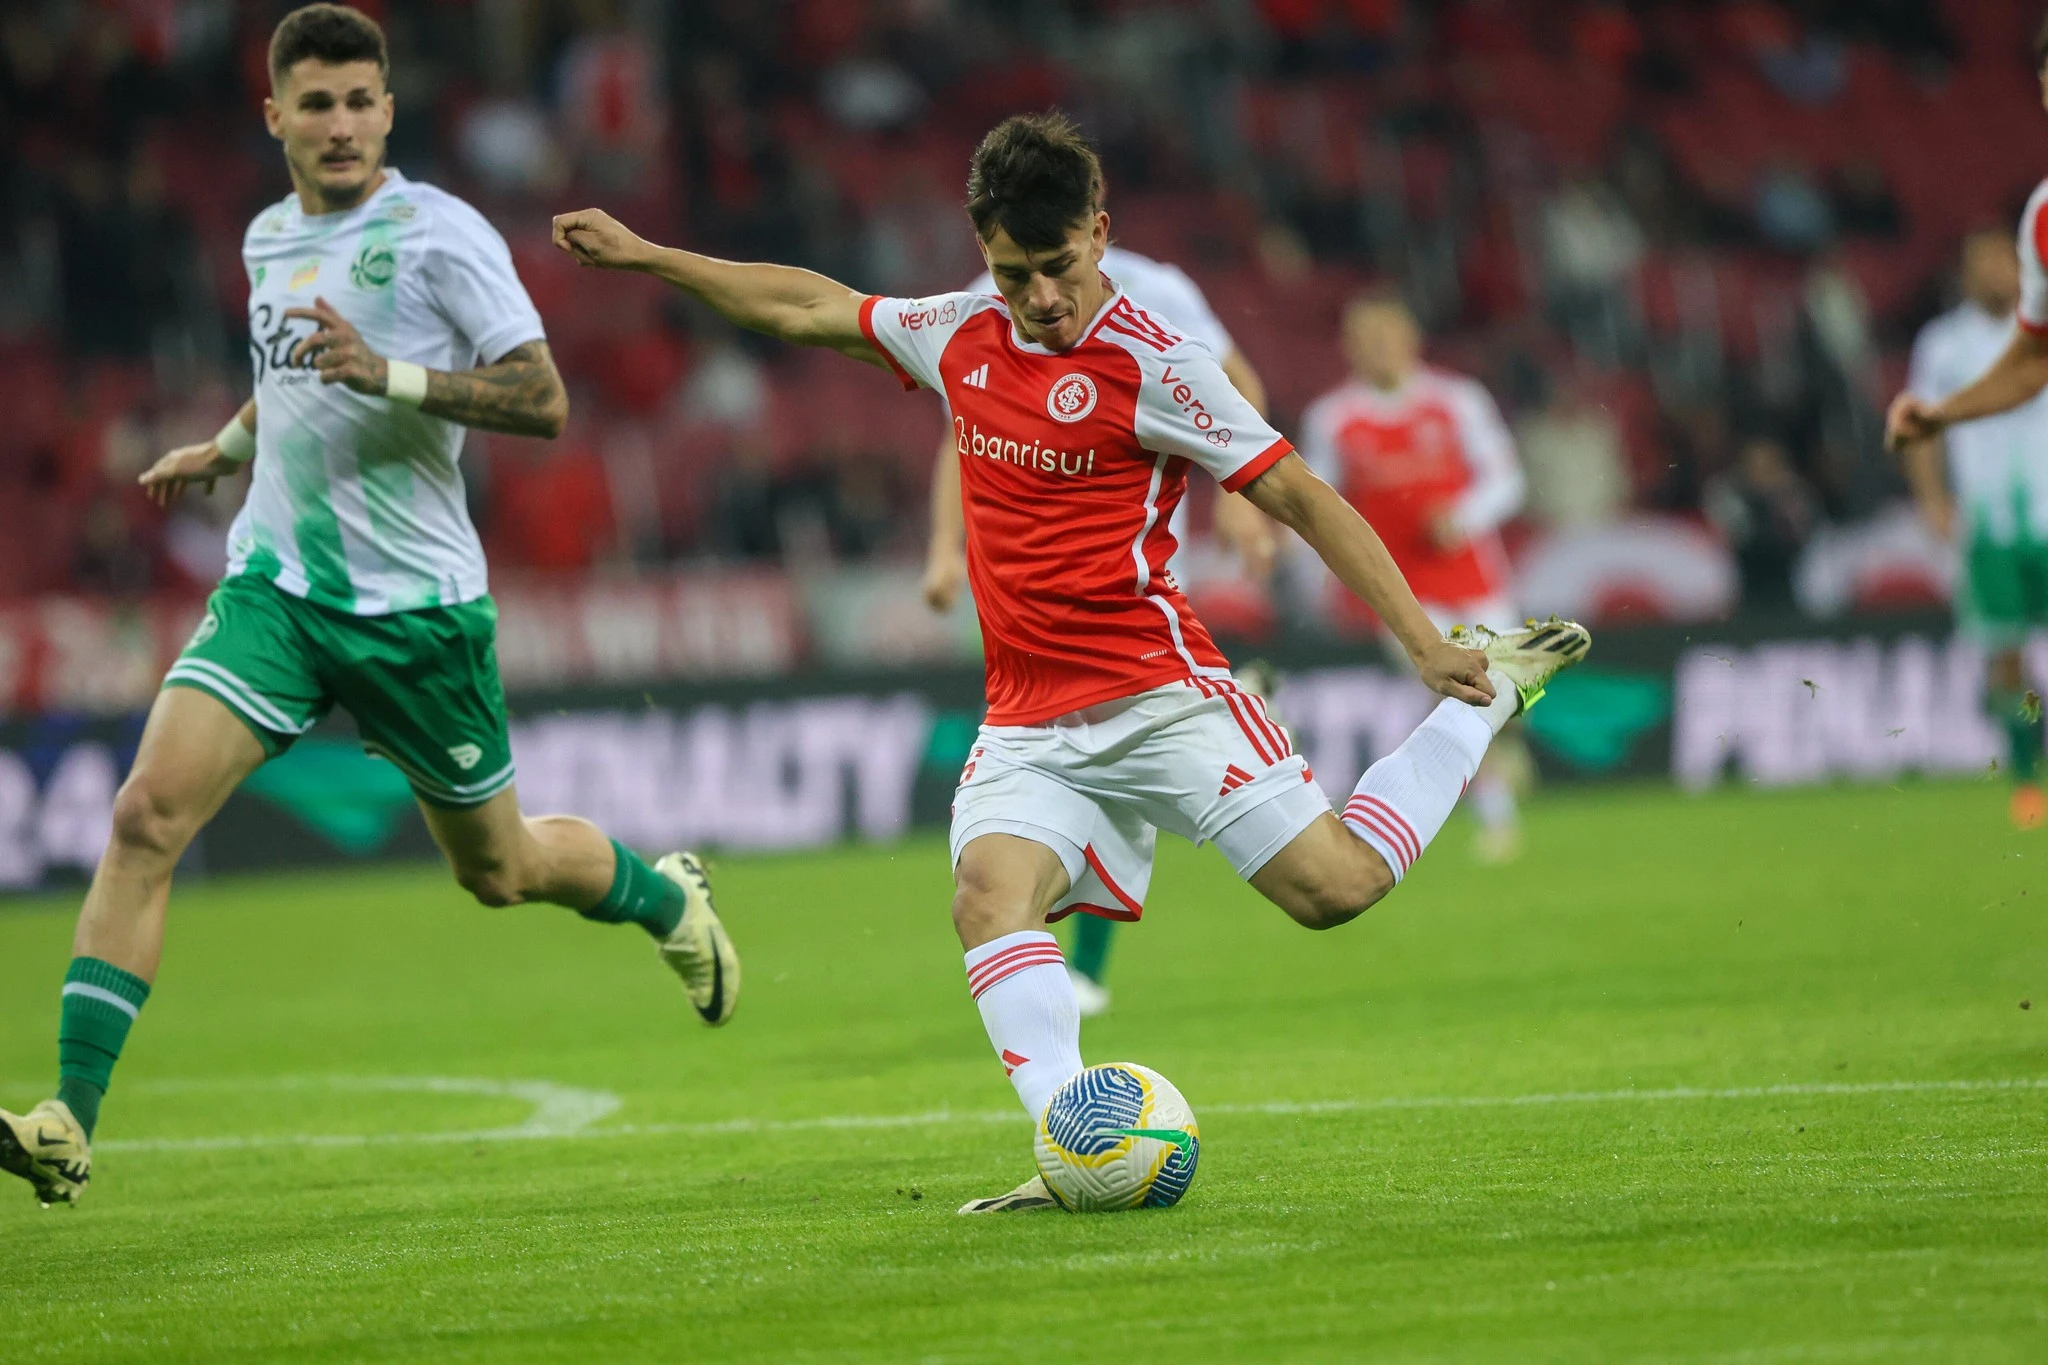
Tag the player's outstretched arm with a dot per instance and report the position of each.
(1292, 495)
(799, 306)
(2014, 378)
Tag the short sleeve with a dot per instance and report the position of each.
(473, 283)
(1188, 407)
(2033, 249)
(911, 334)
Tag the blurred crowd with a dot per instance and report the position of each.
(1685, 243)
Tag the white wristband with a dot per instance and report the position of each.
(405, 382)
(236, 443)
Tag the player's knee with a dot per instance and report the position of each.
(147, 824)
(983, 910)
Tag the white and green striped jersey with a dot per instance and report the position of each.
(1997, 466)
(357, 502)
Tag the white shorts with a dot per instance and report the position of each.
(1200, 758)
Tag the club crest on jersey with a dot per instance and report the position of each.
(1071, 398)
(375, 266)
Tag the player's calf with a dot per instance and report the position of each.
(1328, 876)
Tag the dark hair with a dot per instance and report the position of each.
(327, 33)
(1034, 176)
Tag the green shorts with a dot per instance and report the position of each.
(2003, 593)
(422, 685)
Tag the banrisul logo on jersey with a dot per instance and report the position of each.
(1071, 397)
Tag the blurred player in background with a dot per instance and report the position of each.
(1166, 292)
(1983, 486)
(384, 316)
(1424, 456)
(1111, 712)
(1998, 515)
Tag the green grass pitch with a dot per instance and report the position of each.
(1737, 1078)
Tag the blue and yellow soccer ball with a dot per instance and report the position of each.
(1117, 1136)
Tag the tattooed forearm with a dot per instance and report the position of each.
(521, 394)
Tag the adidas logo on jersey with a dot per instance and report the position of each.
(976, 379)
(1233, 778)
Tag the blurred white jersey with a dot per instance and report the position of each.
(1166, 292)
(357, 503)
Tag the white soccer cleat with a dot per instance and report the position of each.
(48, 1148)
(699, 951)
(1090, 997)
(1032, 1194)
(1531, 656)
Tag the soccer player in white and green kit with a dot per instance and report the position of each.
(385, 316)
(1983, 486)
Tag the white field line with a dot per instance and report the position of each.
(558, 1111)
(566, 1112)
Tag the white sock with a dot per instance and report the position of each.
(1506, 701)
(1027, 1006)
(1404, 799)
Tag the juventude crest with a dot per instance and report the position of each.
(375, 266)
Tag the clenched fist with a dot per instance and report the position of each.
(596, 238)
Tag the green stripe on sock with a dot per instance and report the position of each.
(91, 1029)
(639, 895)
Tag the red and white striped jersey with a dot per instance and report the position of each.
(1436, 445)
(1071, 464)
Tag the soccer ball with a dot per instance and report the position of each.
(1117, 1136)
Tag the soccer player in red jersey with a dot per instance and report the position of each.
(1423, 455)
(1076, 415)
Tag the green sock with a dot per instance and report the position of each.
(2022, 734)
(639, 894)
(100, 1002)
(1091, 946)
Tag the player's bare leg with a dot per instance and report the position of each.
(1326, 877)
(504, 858)
(194, 752)
(2005, 697)
(1334, 870)
(1004, 886)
